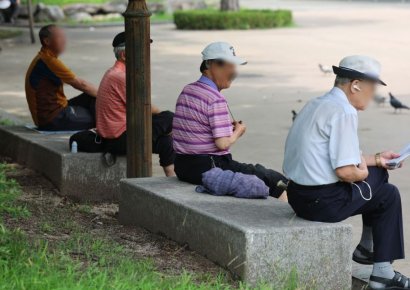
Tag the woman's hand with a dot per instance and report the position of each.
(386, 156)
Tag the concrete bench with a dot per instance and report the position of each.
(80, 176)
(258, 240)
(361, 275)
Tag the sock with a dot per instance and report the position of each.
(383, 270)
(367, 238)
(366, 241)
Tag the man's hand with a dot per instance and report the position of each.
(83, 86)
(386, 156)
(155, 110)
(239, 128)
(353, 173)
(363, 164)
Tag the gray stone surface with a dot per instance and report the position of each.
(259, 240)
(87, 8)
(80, 17)
(79, 176)
(45, 13)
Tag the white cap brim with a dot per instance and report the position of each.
(236, 60)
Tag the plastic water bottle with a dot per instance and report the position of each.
(74, 147)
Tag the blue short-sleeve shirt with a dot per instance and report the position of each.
(323, 137)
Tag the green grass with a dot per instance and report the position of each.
(9, 33)
(80, 263)
(9, 192)
(212, 19)
(83, 262)
(6, 122)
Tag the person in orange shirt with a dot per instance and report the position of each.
(44, 83)
(111, 114)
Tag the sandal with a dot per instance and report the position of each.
(398, 282)
(366, 257)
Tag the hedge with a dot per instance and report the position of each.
(243, 19)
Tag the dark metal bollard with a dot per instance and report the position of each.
(139, 118)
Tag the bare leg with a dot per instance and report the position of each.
(284, 196)
(169, 170)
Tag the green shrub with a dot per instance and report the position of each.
(243, 19)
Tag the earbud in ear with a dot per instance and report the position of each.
(357, 88)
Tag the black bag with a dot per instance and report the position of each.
(87, 141)
(161, 124)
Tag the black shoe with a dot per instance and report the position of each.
(366, 257)
(398, 282)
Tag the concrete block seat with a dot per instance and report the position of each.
(80, 176)
(258, 240)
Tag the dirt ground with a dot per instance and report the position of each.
(54, 218)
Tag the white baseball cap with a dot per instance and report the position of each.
(223, 51)
(359, 67)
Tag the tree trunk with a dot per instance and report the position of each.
(229, 5)
(31, 21)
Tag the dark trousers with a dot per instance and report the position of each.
(339, 201)
(161, 139)
(10, 14)
(78, 115)
(189, 168)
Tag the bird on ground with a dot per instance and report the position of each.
(396, 104)
(294, 115)
(378, 99)
(325, 69)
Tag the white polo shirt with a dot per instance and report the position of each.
(322, 138)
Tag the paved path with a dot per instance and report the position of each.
(282, 73)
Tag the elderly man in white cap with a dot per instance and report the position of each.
(330, 179)
(203, 130)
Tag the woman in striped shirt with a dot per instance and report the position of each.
(203, 131)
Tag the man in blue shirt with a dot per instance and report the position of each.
(330, 179)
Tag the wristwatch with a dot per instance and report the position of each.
(378, 160)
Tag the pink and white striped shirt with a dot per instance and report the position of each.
(201, 116)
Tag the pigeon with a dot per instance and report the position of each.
(396, 104)
(378, 99)
(325, 69)
(294, 115)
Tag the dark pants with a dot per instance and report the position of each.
(78, 115)
(189, 168)
(10, 14)
(339, 201)
(161, 139)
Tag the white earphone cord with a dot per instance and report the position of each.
(361, 193)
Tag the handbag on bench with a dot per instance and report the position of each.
(87, 141)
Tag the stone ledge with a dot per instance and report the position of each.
(80, 176)
(258, 240)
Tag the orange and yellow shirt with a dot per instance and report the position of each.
(44, 86)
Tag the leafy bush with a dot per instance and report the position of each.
(243, 19)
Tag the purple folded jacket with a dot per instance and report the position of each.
(225, 182)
